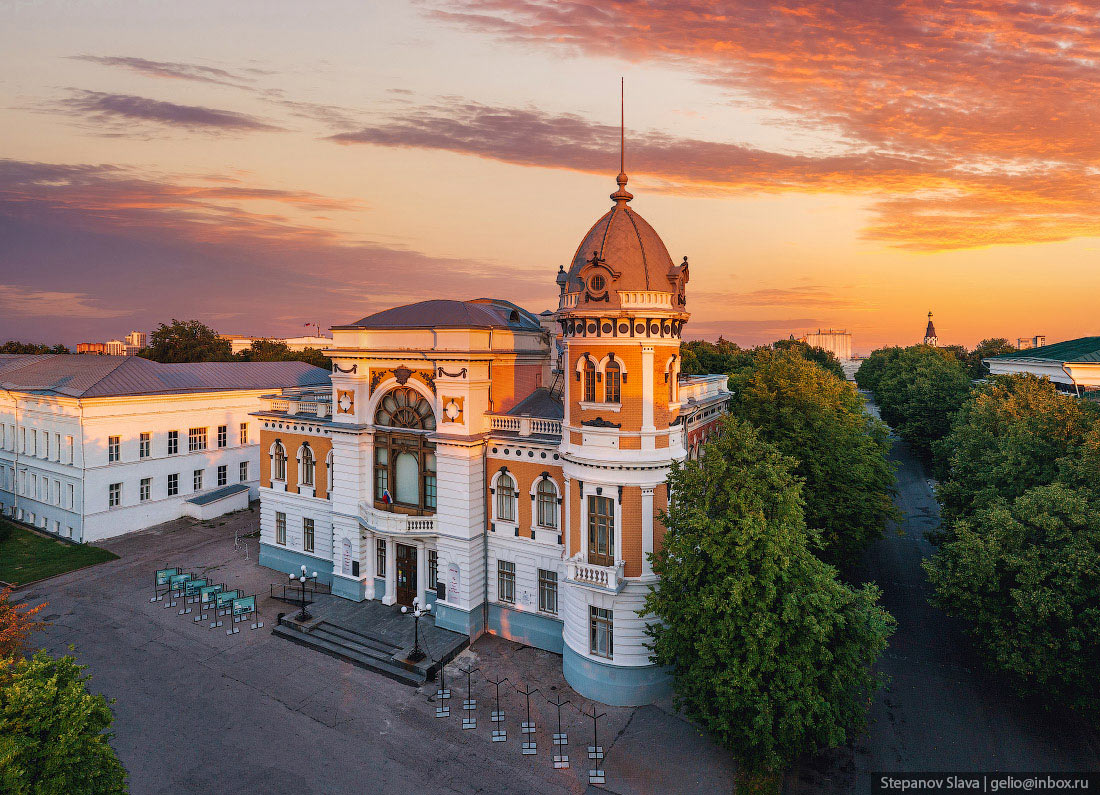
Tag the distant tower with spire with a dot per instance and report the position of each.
(930, 338)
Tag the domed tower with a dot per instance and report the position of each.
(622, 309)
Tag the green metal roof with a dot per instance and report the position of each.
(1082, 349)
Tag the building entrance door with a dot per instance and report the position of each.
(406, 575)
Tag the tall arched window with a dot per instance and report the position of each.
(589, 381)
(309, 466)
(279, 462)
(506, 498)
(404, 459)
(612, 378)
(547, 498)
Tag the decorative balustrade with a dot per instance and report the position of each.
(644, 299)
(280, 405)
(498, 423)
(525, 426)
(608, 578)
(395, 523)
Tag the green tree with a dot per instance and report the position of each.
(818, 420)
(187, 341)
(13, 346)
(919, 393)
(986, 348)
(275, 351)
(53, 732)
(1025, 576)
(820, 356)
(701, 357)
(1012, 434)
(870, 372)
(769, 650)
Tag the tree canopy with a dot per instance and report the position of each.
(839, 450)
(769, 650)
(53, 732)
(1025, 576)
(187, 341)
(13, 346)
(275, 351)
(827, 359)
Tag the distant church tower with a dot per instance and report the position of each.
(930, 332)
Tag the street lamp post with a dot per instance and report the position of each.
(303, 614)
(418, 611)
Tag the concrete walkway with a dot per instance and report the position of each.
(943, 710)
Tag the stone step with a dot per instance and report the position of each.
(361, 655)
(359, 638)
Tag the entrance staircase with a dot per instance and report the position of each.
(366, 651)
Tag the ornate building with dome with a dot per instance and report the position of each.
(505, 467)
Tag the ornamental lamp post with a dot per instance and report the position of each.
(418, 611)
(303, 614)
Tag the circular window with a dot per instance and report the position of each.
(639, 329)
(624, 328)
(591, 328)
(597, 283)
(606, 328)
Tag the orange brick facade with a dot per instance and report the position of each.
(320, 445)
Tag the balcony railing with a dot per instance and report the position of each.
(314, 407)
(525, 426)
(644, 299)
(608, 578)
(395, 523)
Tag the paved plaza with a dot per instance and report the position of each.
(198, 710)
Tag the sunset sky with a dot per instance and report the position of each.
(261, 165)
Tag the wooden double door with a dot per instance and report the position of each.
(406, 575)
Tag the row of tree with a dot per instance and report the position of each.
(13, 346)
(1019, 556)
(770, 649)
(194, 341)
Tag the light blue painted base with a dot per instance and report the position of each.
(532, 629)
(379, 588)
(616, 685)
(469, 623)
(290, 562)
(429, 598)
(348, 588)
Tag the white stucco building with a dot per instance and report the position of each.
(1072, 365)
(93, 447)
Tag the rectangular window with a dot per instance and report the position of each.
(601, 531)
(429, 481)
(173, 442)
(307, 535)
(548, 591)
(56, 497)
(114, 448)
(280, 528)
(380, 559)
(223, 475)
(46, 444)
(506, 581)
(223, 435)
(69, 495)
(146, 489)
(381, 473)
(114, 495)
(69, 449)
(173, 484)
(34, 445)
(57, 447)
(244, 471)
(144, 445)
(244, 433)
(196, 439)
(601, 632)
(197, 480)
(612, 383)
(433, 569)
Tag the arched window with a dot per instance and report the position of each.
(506, 498)
(589, 381)
(612, 377)
(547, 499)
(404, 407)
(404, 459)
(309, 466)
(279, 462)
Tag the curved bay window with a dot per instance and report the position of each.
(612, 380)
(404, 459)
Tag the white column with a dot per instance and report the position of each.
(647, 529)
(421, 571)
(566, 516)
(391, 573)
(647, 396)
(370, 563)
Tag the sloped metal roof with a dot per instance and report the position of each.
(114, 376)
(446, 313)
(1082, 349)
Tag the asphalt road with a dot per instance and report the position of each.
(943, 709)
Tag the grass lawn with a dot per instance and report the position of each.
(27, 556)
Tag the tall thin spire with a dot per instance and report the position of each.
(622, 195)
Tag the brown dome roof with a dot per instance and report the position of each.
(631, 253)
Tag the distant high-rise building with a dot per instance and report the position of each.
(1027, 343)
(930, 332)
(120, 348)
(836, 341)
(92, 348)
(138, 338)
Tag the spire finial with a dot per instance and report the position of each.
(622, 195)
